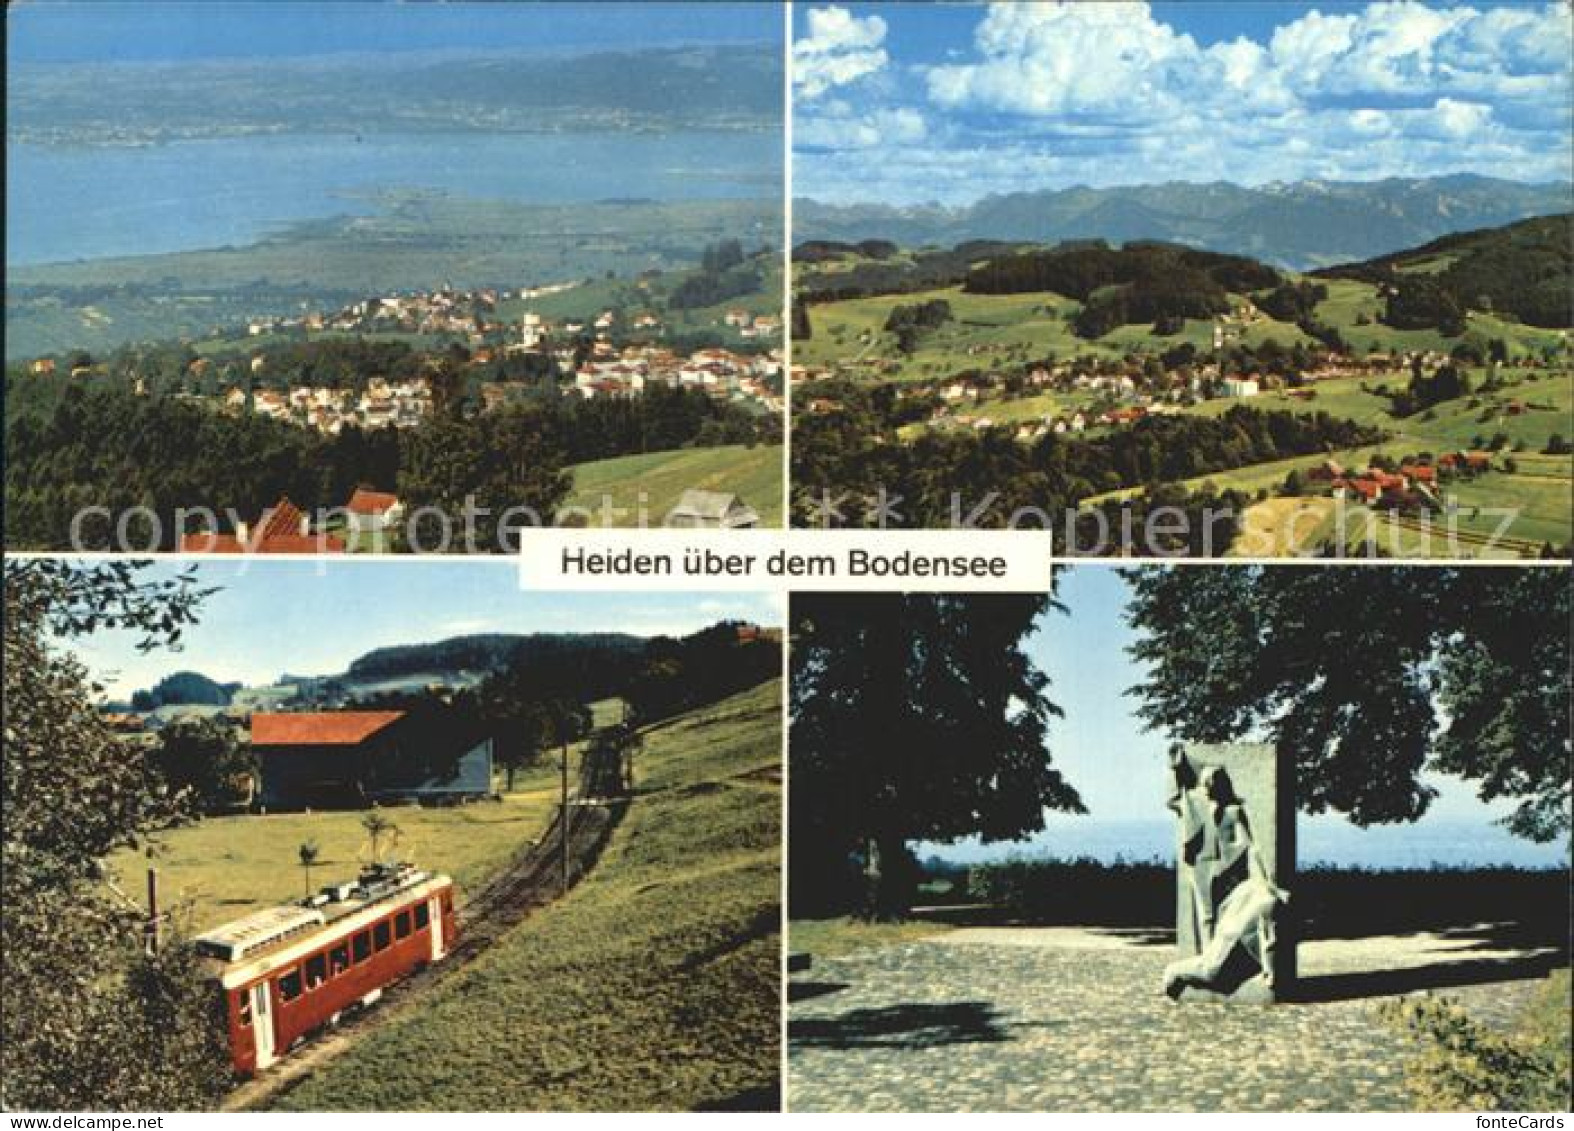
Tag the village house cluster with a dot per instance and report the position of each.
(382, 404)
(720, 373)
(1415, 480)
(621, 360)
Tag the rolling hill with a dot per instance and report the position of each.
(1026, 359)
(1522, 270)
(1015, 303)
(1298, 225)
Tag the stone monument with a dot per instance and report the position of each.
(1235, 867)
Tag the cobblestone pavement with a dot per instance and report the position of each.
(1061, 1019)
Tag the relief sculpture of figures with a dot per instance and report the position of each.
(1229, 893)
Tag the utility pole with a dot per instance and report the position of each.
(151, 932)
(563, 819)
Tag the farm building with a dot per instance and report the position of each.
(712, 509)
(347, 759)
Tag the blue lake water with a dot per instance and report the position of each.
(1427, 843)
(68, 202)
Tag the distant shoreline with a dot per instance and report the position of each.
(1431, 844)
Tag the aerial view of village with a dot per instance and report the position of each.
(286, 834)
(1246, 280)
(323, 279)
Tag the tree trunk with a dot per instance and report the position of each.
(894, 891)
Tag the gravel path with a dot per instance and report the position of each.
(1061, 1019)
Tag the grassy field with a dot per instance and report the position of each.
(224, 867)
(827, 938)
(1547, 398)
(1001, 333)
(654, 985)
(1353, 307)
(754, 474)
(994, 331)
(987, 331)
(1538, 490)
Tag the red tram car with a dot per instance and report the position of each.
(287, 971)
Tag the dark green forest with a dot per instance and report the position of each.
(96, 443)
(1521, 270)
(1140, 282)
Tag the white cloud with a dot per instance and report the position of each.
(840, 128)
(1051, 93)
(1462, 119)
(839, 49)
(1076, 59)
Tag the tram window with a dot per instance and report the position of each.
(338, 960)
(402, 925)
(290, 985)
(363, 946)
(423, 915)
(380, 939)
(316, 971)
(243, 1014)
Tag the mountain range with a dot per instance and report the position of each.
(1300, 225)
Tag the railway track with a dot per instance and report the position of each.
(534, 878)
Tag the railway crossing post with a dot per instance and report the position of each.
(562, 821)
(151, 931)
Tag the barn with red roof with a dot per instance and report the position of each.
(349, 759)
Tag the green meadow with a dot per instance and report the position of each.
(652, 484)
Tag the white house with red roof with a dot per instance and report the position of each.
(372, 512)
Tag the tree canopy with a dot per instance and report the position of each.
(1370, 676)
(88, 1020)
(914, 717)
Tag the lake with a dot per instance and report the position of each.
(75, 202)
(1336, 843)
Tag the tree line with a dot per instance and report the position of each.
(1139, 282)
(926, 717)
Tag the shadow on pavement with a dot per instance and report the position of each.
(803, 991)
(906, 1026)
(765, 1098)
(1436, 976)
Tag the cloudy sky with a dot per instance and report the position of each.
(910, 103)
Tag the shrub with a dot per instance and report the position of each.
(1461, 1065)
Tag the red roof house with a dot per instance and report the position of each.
(283, 529)
(319, 728)
(368, 502)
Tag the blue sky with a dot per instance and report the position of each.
(918, 103)
(313, 618)
(52, 31)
